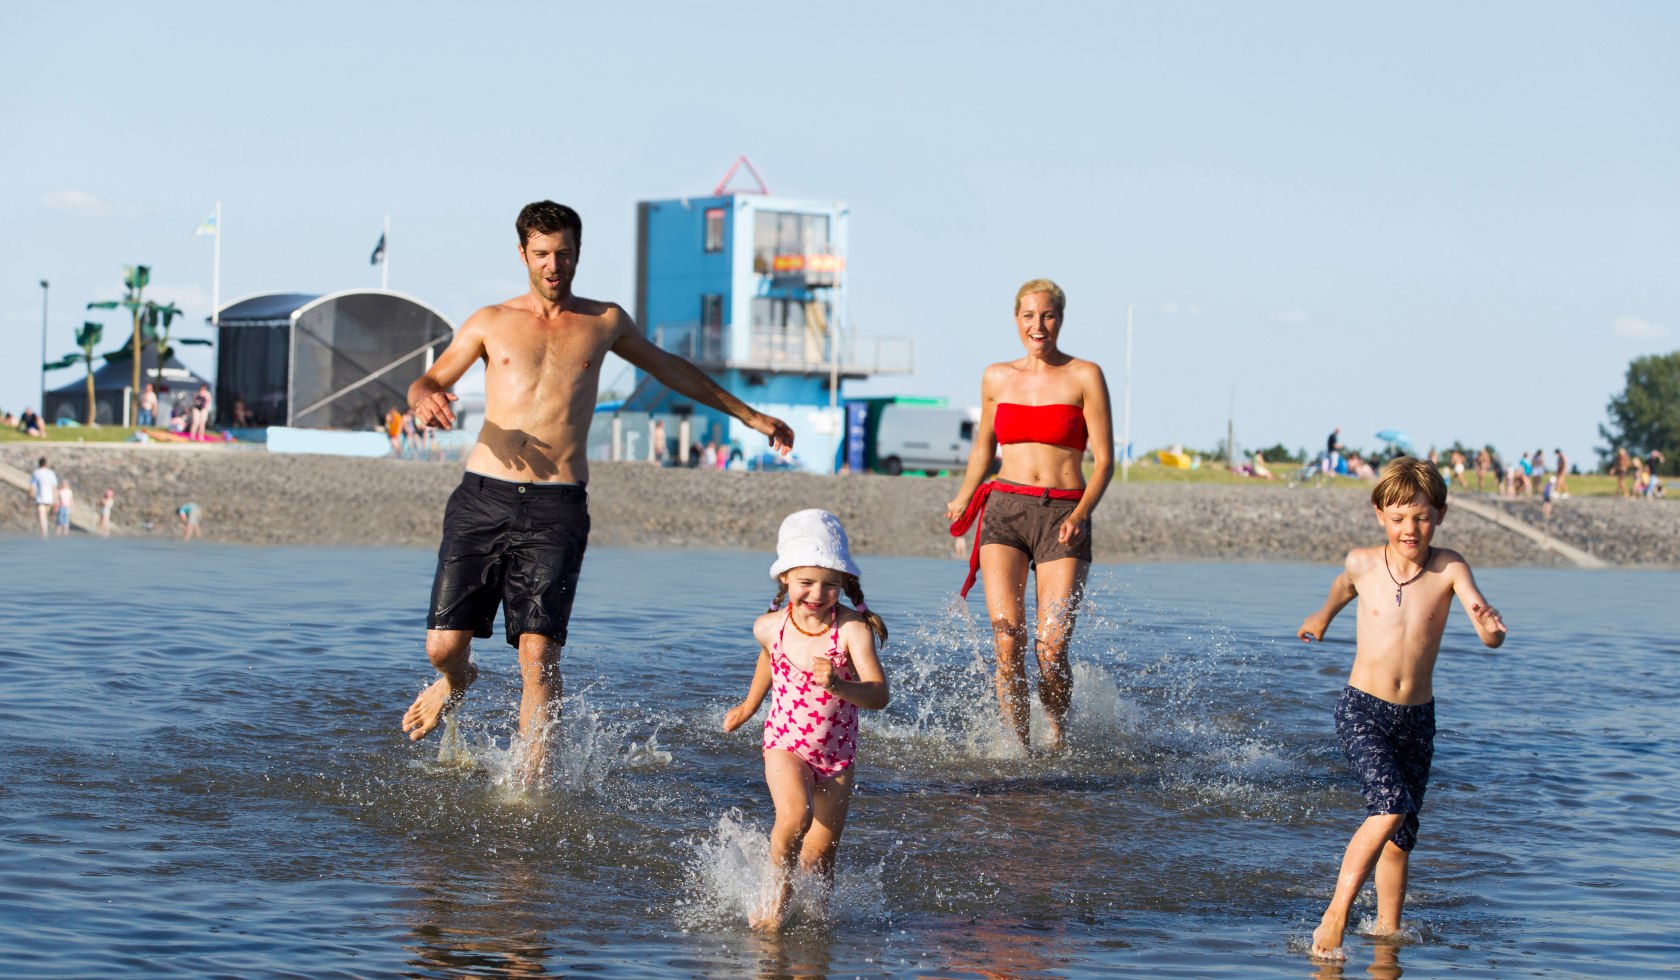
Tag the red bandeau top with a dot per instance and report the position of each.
(1057, 425)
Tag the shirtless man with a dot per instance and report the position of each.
(1385, 718)
(514, 531)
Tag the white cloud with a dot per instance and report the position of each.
(85, 205)
(1635, 328)
(1290, 316)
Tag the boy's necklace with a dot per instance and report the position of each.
(1399, 586)
(795, 621)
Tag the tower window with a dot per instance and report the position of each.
(714, 229)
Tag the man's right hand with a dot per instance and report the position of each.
(779, 432)
(433, 410)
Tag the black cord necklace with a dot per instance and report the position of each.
(1400, 586)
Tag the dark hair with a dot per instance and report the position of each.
(547, 218)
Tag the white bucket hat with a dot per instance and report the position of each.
(812, 538)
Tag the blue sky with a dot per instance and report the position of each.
(1462, 220)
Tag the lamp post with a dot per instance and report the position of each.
(1126, 404)
(43, 403)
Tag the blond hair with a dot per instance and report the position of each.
(1404, 478)
(1042, 286)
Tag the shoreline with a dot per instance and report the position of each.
(250, 496)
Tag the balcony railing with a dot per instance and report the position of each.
(789, 349)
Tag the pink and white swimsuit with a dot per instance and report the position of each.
(811, 721)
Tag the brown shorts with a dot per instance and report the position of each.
(1030, 524)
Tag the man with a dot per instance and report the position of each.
(515, 530)
(43, 484)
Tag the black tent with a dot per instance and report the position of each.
(112, 384)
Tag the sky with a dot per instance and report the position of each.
(1459, 220)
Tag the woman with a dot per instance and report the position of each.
(1042, 410)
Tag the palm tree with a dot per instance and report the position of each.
(88, 337)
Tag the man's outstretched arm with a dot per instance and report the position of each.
(684, 378)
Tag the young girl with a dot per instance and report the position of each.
(822, 671)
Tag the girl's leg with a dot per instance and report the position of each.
(1061, 586)
(1003, 570)
(830, 799)
(791, 784)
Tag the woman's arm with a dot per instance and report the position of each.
(985, 448)
(1099, 428)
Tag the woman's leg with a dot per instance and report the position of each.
(1003, 570)
(1061, 587)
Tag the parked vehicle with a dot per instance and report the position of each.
(920, 437)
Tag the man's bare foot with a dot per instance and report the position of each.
(1327, 941)
(428, 709)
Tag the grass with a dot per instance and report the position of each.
(72, 434)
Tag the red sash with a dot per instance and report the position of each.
(977, 507)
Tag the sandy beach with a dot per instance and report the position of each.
(249, 496)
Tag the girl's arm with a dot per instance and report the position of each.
(870, 689)
(739, 714)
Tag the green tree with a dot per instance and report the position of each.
(88, 336)
(1646, 415)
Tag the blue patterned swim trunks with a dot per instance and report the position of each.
(1390, 746)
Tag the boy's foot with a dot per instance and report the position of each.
(1327, 942)
(428, 709)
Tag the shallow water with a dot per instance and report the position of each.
(206, 776)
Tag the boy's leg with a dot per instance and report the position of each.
(1061, 586)
(450, 652)
(830, 799)
(1357, 861)
(1391, 888)
(1003, 571)
(539, 705)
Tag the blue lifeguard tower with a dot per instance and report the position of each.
(751, 288)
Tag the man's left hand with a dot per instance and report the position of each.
(780, 433)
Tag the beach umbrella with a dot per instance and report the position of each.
(1396, 437)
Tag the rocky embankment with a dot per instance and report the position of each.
(250, 496)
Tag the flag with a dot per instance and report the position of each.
(378, 251)
(207, 226)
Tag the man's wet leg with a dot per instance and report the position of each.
(450, 651)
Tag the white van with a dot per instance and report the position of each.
(920, 437)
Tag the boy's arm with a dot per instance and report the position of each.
(739, 714)
(1342, 592)
(1490, 626)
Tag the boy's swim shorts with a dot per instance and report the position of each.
(1389, 746)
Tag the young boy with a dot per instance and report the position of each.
(1385, 718)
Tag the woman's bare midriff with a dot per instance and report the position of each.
(1040, 464)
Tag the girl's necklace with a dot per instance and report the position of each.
(795, 621)
(1399, 586)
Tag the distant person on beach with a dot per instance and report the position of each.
(1484, 466)
(1259, 466)
(656, 442)
(107, 500)
(43, 486)
(393, 430)
(822, 672)
(1620, 467)
(188, 515)
(178, 415)
(199, 417)
(30, 424)
(1385, 718)
(1562, 474)
(66, 500)
(1333, 451)
(1042, 410)
(147, 412)
(514, 531)
(1456, 463)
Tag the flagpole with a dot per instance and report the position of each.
(216, 273)
(385, 257)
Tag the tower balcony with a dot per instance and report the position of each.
(802, 350)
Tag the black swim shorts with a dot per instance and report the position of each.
(1029, 524)
(514, 545)
(1390, 747)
